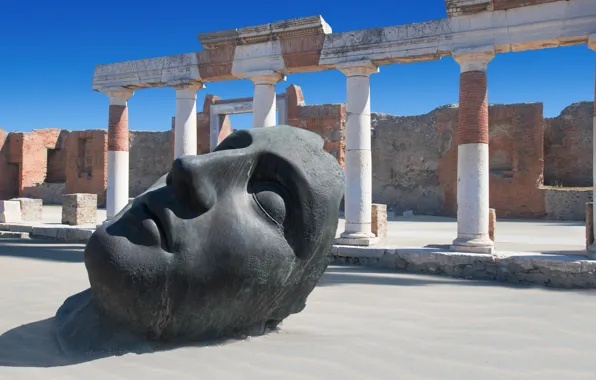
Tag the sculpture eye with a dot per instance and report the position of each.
(270, 200)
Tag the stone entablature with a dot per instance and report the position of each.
(306, 44)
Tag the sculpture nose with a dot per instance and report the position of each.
(201, 179)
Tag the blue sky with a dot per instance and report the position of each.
(48, 51)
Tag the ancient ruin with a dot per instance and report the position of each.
(509, 151)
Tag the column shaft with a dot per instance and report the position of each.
(473, 157)
(185, 126)
(263, 111)
(118, 147)
(358, 158)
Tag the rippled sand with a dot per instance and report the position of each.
(358, 324)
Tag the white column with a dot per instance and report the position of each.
(472, 153)
(185, 127)
(358, 159)
(263, 112)
(592, 248)
(118, 166)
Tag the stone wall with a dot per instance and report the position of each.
(566, 204)
(568, 146)
(150, 158)
(406, 153)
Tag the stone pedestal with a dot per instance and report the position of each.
(10, 212)
(30, 209)
(379, 220)
(492, 222)
(589, 226)
(79, 209)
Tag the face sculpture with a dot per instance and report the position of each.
(225, 243)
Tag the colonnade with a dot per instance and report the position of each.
(472, 140)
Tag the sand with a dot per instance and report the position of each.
(358, 324)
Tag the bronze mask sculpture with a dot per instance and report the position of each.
(226, 244)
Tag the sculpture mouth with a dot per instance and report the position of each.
(163, 232)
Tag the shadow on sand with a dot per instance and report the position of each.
(35, 345)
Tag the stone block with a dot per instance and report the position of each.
(379, 220)
(10, 212)
(31, 209)
(79, 209)
(492, 221)
(589, 224)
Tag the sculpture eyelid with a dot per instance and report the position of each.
(254, 196)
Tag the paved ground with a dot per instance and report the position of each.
(418, 231)
(358, 324)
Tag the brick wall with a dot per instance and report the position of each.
(568, 146)
(87, 163)
(326, 120)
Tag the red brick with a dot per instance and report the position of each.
(118, 128)
(473, 108)
(500, 5)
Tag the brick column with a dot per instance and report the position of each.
(358, 159)
(185, 123)
(117, 190)
(472, 153)
(592, 248)
(263, 109)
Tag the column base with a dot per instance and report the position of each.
(363, 239)
(482, 245)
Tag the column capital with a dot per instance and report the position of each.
(358, 68)
(592, 42)
(474, 59)
(188, 90)
(266, 77)
(118, 95)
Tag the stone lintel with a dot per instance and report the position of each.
(304, 26)
(467, 7)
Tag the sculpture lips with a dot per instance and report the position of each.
(161, 228)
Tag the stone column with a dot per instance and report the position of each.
(472, 153)
(592, 248)
(263, 109)
(358, 159)
(117, 191)
(185, 125)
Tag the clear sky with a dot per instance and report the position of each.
(48, 50)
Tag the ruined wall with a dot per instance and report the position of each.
(415, 161)
(9, 170)
(406, 152)
(568, 147)
(516, 160)
(87, 163)
(566, 204)
(326, 120)
(150, 158)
